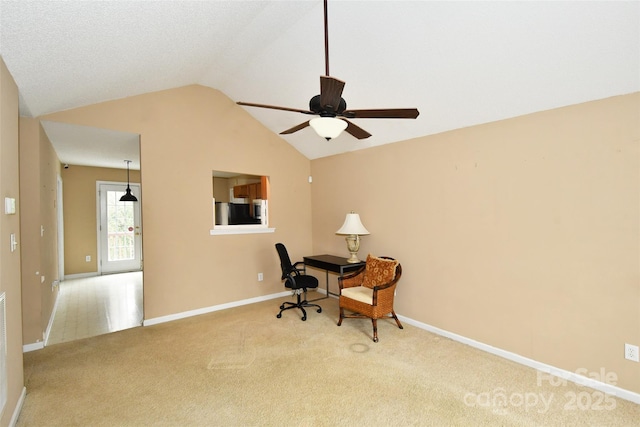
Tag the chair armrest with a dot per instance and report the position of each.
(297, 269)
(385, 286)
(387, 290)
(384, 292)
(352, 279)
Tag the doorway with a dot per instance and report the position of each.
(111, 300)
(97, 305)
(119, 229)
(91, 155)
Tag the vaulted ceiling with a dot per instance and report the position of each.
(459, 63)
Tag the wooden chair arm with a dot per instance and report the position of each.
(385, 286)
(386, 290)
(352, 279)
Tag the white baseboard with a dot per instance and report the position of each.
(18, 408)
(323, 291)
(42, 344)
(542, 367)
(80, 275)
(33, 346)
(51, 317)
(204, 310)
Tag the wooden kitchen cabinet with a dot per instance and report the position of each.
(241, 190)
(253, 192)
(250, 191)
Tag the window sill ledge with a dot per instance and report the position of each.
(225, 230)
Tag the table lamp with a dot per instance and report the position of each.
(353, 229)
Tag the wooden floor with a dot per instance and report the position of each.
(97, 305)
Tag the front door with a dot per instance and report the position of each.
(120, 230)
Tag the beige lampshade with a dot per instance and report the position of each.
(352, 225)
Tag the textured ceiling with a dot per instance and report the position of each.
(459, 63)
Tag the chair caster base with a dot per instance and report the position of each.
(300, 305)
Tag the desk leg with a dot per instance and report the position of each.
(327, 287)
(327, 281)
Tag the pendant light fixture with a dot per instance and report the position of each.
(128, 197)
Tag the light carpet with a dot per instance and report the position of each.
(245, 367)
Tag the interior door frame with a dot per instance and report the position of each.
(135, 187)
(60, 219)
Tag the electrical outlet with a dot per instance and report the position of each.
(631, 352)
(87, 258)
(260, 277)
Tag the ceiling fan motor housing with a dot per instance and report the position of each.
(326, 110)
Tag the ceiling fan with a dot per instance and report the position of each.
(332, 108)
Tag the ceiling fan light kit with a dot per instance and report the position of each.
(329, 105)
(328, 127)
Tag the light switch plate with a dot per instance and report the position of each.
(9, 205)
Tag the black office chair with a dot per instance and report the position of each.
(297, 281)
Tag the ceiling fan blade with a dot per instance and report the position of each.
(274, 107)
(392, 113)
(330, 92)
(356, 131)
(295, 128)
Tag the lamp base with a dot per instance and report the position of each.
(353, 259)
(353, 246)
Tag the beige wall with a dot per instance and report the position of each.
(30, 234)
(10, 261)
(221, 189)
(522, 234)
(186, 133)
(39, 169)
(80, 216)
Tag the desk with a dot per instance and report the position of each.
(332, 263)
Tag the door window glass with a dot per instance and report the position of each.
(120, 228)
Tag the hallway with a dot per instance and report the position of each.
(97, 305)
